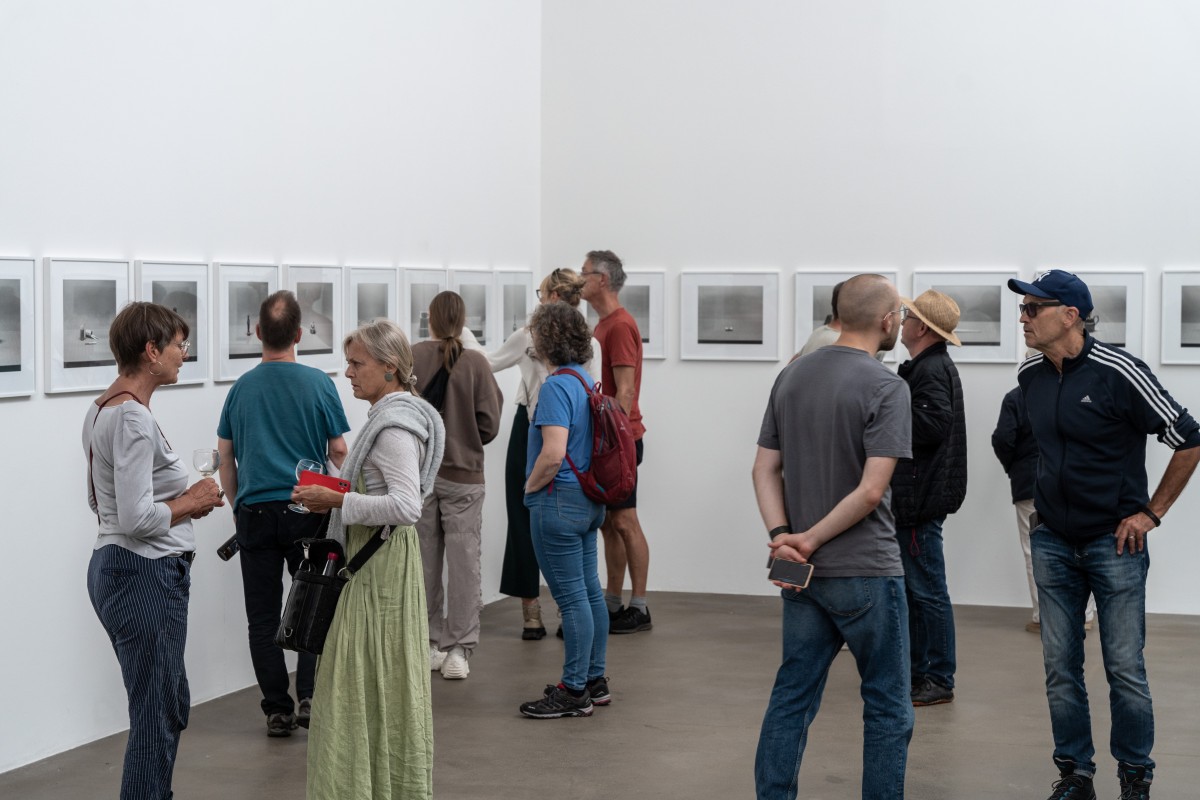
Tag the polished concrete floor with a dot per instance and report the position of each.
(689, 697)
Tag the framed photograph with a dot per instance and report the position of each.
(644, 297)
(1181, 316)
(420, 287)
(515, 301)
(241, 290)
(371, 293)
(18, 364)
(729, 316)
(1119, 299)
(183, 287)
(82, 297)
(814, 299)
(476, 288)
(319, 292)
(988, 324)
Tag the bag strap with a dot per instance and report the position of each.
(101, 403)
(587, 387)
(382, 534)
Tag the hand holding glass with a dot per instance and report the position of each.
(305, 465)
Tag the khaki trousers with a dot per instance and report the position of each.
(450, 530)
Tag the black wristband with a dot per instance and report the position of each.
(1153, 517)
(781, 529)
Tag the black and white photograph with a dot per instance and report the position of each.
(514, 289)
(1189, 316)
(18, 365)
(318, 290)
(421, 285)
(241, 290)
(182, 286)
(1180, 316)
(371, 294)
(988, 325)
(814, 299)
(636, 300)
(730, 316)
(83, 296)
(475, 287)
(1119, 297)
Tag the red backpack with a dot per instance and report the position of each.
(612, 475)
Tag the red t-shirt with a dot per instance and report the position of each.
(621, 346)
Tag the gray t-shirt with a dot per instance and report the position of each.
(828, 413)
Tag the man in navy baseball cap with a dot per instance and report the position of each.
(1060, 285)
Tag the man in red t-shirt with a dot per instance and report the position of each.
(620, 377)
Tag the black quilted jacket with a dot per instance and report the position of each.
(933, 482)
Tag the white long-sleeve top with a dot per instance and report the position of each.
(392, 475)
(517, 351)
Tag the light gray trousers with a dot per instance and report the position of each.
(450, 530)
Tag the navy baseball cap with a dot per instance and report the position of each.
(1060, 285)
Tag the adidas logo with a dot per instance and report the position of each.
(1086, 399)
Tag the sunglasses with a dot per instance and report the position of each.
(1031, 309)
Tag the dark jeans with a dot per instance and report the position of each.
(143, 605)
(267, 534)
(930, 615)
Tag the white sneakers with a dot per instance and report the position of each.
(454, 665)
(436, 659)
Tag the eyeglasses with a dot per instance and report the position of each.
(185, 345)
(539, 293)
(1031, 309)
(587, 274)
(902, 311)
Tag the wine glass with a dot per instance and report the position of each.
(305, 465)
(206, 462)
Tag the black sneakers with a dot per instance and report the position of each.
(304, 712)
(929, 692)
(280, 724)
(630, 620)
(558, 702)
(1073, 787)
(596, 687)
(1134, 785)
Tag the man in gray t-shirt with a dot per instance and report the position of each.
(835, 425)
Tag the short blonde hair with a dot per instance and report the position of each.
(386, 343)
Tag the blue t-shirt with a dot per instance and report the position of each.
(564, 402)
(276, 414)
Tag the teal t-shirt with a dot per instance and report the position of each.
(276, 414)
(563, 401)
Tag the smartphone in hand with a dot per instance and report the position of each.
(793, 573)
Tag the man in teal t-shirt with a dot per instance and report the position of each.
(275, 415)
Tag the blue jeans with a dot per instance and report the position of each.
(930, 615)
(1065, 573)
(871, 616)
(564, 522)
(143, 605)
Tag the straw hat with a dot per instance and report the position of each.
(938, 311)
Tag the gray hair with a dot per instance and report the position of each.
(386, 343)
(606, 261)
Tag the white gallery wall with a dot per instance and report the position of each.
(359, 133)
(901, 135)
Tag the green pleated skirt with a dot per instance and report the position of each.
(371, 735)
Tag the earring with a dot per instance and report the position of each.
(151, 371)
(389, 377)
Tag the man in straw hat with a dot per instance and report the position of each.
(1091, 406)
(929, 486)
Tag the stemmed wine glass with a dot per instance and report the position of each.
(206, 462)
(305, 465)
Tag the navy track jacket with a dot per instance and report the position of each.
(1091, 424)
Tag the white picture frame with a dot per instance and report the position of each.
(477, 287)
(814, 298)
(515, 301)
(84, 295)
(241, 290)
(644, 297)
(182, 286)
(729, 316)
(1119, 297)
(421, 285)
(989, 322)
(371, 293)
(318, 290)
(1181, 315)
(18, 327)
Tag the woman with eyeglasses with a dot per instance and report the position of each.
(139, 578)
(519, 577)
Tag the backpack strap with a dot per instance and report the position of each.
(587, 387)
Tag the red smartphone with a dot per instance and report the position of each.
(308, 478)
(793, 573)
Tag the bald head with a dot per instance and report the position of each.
(863, 302)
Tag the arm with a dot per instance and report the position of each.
(509, 354)
(337, 450)
(623, 376)
(549, 460)
(396, 454)
(1133, 529)
(932, 412)
(1004, 438)
(228, 471)
(489, 403)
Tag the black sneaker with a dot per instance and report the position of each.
(557, 702)
(931, 693)
(630, 620)
(1134, 785)
(304, 712)
(1073, 787)
(280, 724)
(598, 689)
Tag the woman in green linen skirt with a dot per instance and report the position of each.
(371, 734)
